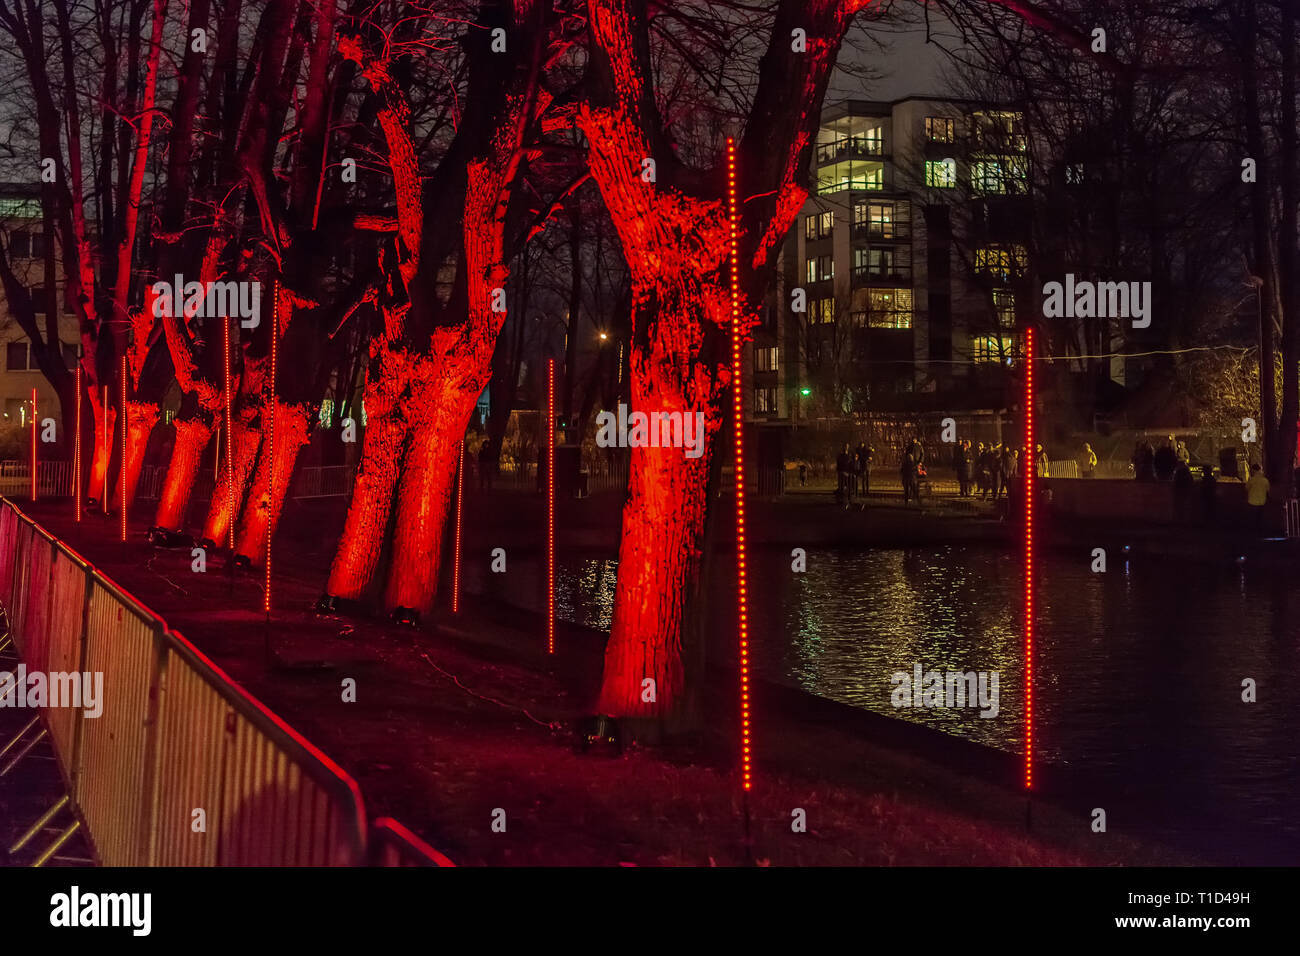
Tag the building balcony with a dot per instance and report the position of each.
(849, 147)
(893, 275)
(882, 231)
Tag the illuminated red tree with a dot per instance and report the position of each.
(674, 232)
(433, 359)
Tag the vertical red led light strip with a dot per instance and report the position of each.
(33, 444)
(270, 500)
(550, 506)
(230, 437)
(455, 557)
(121, 474)
(1031, 469)
(103, 405)
(76, 448)
(737, 406)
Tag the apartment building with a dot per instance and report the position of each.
(24, 244)
(909, 262)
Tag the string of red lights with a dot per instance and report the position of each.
(76, 449)
(230, 439)
(33, 444)
(121, 472)
(275, 335)
(737, 406)
(1030, 469)
(550, 506)
(455, 557)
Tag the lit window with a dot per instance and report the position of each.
(890, 308)
(940, 173)
(765, 400)
(810, 227)
(939, 129)
(811, 272)
(989, 349)
(880, 219)
(1000, 175)
(765, 359)
(1001, 263)
(1004, 304)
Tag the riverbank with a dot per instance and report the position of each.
(463, 718)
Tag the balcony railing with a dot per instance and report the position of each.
(893, 274)
(850, 147)
(882, 230)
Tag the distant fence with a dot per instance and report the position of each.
(175, 735)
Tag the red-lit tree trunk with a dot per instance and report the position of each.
(271, 480)
(659, 556)
(226, 502)
(192, 437)
(103, 451)
(675, 238)
(362, 541)
(438, 415)
(141, 417)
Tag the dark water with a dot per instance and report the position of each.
(1139, 670)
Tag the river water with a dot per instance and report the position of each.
(1139, 669)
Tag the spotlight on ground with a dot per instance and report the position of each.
(163, 538)
(600, 735)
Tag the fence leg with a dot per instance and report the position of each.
(35, 828)
(24, 752)
(53, 848)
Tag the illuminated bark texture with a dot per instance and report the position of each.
(437, 423)
(675, 237)
(217, 525)
(444, 390)
(141, 417)
(266, 496)
(103, 447)
(192, 437)
(362, 541)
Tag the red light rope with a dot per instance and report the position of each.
(455, 557)
(270, 500)
(33, 444)
(1030, 474)
(76, 449)
(738, 424)
(550, 506)
(230, 438)
(121, 477)
(103, 405)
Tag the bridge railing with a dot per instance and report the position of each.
(172, 763)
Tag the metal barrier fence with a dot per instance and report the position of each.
(53, 478)
(175, 735)
(1291, 517)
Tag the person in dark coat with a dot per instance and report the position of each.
(962, 463)
(907, 471)
(844, 469)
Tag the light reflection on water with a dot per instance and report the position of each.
(1139, 670)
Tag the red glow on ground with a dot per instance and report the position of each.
(550, 506)
(738, 422)
(1031, 468)
(274, 467)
